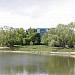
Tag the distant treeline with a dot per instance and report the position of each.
(60, 36)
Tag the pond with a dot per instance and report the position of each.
(28, 64)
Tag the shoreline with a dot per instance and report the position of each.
(70, 54)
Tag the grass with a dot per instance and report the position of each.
(33, 48)
(38, 48)
(43, 48)
(4, 48)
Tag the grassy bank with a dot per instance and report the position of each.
(4, 48)
(42, 48)
(38, 48)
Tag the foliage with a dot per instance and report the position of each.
(18, 36)
(60, 36)
(31, 43)
(44, 39)
(32, 35)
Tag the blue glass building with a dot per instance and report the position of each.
(41, 31)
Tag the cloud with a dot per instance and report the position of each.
(36, 13)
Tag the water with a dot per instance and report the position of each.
(27, 64)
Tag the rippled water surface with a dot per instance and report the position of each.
(27, 64)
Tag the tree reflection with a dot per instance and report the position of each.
(53, 65)
(35, 64)
(31, 69)
(59, 65)
(18, 69)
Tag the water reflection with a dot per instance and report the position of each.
(23, 64)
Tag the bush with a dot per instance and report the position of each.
(31, 43)
(51, 43)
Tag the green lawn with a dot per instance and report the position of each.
(43, 48)
(38, 48)
(4, 48)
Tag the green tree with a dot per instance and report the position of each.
(32, 35)
(60, 36)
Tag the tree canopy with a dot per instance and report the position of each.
(60, 36)
(10, 36)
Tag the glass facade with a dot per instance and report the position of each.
(42, 30)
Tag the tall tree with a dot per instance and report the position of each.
(60, 36)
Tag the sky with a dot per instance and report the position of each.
(36, 13)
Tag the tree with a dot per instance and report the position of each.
(20, 34)
(44, 39)
(7, 36)
(32, 35)
(60, 36)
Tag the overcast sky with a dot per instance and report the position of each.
(36, 13)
